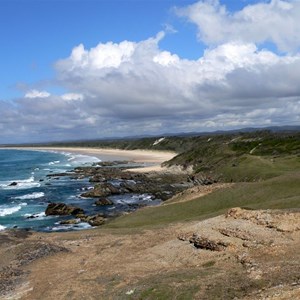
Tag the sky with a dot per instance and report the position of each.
(88, 69)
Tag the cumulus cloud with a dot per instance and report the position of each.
(275, 21)
(37, 94)
(225, 77)
(128, 88)
(72, 97)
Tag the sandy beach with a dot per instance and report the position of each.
(153, 158)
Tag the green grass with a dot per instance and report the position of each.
(280, 192)
(247, 168)
(256, 155)
(174, 285)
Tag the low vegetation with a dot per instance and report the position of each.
(282, 192)
(144, 252)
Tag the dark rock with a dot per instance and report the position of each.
(95, 220)
(103, 201)
(207, 244)
(70, 222)
(97, 178)
(62, 209)
(31, 217)
(102, 190)
(81, 216)
(164, 195)
(136, 205)
(13, 184)
(130, 187)
(60, 174)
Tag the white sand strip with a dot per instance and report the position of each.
(140, 156)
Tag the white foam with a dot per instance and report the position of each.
(54, 162)
(79, 226)
(30, 196)
(134, 199)
(39, 215)
(21, 184)
(74, 159)
(4, 210)
(78, 159)
(2, 227)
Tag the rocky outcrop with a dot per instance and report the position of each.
(277, 220)
(207, 244)
(95, 220)
(236, 232)
(62, 209)
(70, 222)
(101, 190)
(97, 178)
(103, 202)
(104, 174)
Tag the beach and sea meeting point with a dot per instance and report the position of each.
(150, 150)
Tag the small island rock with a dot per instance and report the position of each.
(103, 202)
(62, 209)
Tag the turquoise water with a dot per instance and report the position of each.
(25, 190)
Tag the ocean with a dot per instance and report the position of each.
(25, 190)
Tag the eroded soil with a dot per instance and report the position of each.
(259, 259)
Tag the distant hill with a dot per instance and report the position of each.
(130, 141)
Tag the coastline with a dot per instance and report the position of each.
(148, 161)
(181, 244)
(153, 157)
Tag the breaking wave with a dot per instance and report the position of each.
(31, 196)
(4, 210)
(19, 184)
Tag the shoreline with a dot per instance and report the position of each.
(150, 160)
(108, 154)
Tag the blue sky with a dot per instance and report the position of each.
(204, 65)
(35, 33)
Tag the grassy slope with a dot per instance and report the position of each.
(248, 168)
(279, 192)
(242, 157)
(265, 166)
(269, 177)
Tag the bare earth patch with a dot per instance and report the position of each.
(196, 192)
(256, 258)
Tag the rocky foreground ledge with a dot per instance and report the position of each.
(243, 254)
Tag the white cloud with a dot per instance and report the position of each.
(165, 58)
(274, 21)
(136, 88)
(37, 94)
(151, 83)
(72, 97)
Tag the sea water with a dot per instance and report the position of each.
(26, 190)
